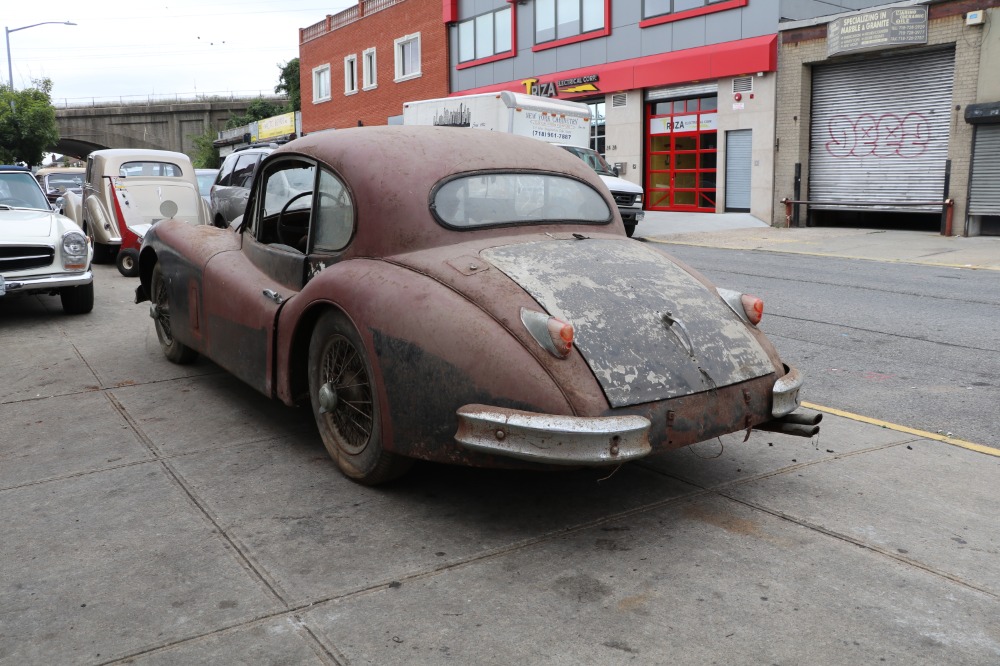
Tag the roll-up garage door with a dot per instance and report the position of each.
(880, 132)
(738, 156)
(984, 192)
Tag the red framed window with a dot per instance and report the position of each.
(487, 37)
(655, 12)
(559, 22)
(681, 154)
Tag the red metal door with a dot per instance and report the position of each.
(681, 153)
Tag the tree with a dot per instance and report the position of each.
(206, 155)
(28, 126)
(257, 109)
(288, 83)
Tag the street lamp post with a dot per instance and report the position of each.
(7, 31)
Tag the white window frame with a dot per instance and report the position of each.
(398, 52)
(318, 74)
(370, 67)
(351, 74)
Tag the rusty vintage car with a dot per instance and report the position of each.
(462, 297)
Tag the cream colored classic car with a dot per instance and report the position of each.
(133, 188)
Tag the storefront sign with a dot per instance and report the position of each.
(879, 29)
(683, 124)
(276, 126)
(571, 86)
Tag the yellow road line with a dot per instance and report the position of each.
(988, 450)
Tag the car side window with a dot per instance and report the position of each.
(226, 172)
(334, 223)
(243, 171)
(284, 204)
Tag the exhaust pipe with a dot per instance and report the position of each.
(797, 425)
(802, 419)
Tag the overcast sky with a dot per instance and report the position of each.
(132, 50)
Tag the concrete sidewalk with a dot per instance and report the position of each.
(741, 231)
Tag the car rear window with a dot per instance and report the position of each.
(503, 199)
(150, 169)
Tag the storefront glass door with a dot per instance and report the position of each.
(681, 150)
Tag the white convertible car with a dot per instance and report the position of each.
(41, 252)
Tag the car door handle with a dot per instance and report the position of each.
(274, 296)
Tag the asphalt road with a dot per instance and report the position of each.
(157, 514)
(912, 345)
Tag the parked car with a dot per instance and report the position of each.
(228, 195)
(628, 195)
(41, 252)
(125, 186)
(462, 297)
(57, 181)
(206, 177)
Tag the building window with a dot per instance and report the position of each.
(407, 57)
(597, 126)
(370, 71)
(652, 8)
(485, 35)
(321, 83)
(351, 74)
(561, 19)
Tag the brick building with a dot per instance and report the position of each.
(889, 112)
(360, 65)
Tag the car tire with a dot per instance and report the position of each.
(104, 253)
(345, 403)
(77, 300)
(128, 262)
(176, 352)
(629, 229)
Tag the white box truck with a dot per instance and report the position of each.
(560, 122)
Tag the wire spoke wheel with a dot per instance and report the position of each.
(345, 402)
(175, 351)
(162, 311)
(350, 414)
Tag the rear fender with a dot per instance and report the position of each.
(426, 365)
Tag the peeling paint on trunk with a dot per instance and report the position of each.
(647, 328)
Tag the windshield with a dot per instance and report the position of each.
(21, 190)
(593, 159)
(205, 181)
(60, 182)
(498, 199)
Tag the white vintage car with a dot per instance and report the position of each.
(41, 252)
(126, 187)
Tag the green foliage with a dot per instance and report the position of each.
(258, 109)
(28, 126)
(288, 83)
(206, 156)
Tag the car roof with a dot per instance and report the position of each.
(408, 161)
(14, 167)
(118, 156)
(50, 170)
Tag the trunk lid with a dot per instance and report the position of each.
(647, 328)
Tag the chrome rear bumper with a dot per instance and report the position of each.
(553, 439)
(785, 398)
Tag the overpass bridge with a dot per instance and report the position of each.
(153, 125)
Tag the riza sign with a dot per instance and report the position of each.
(691, 123)
(877, 30)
